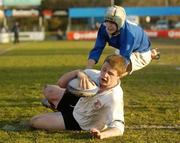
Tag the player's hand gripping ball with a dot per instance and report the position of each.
(74, 88)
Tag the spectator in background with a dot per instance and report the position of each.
(4, 30)
(59, 34)
(128, 38)
(15, 30)
(97, 25)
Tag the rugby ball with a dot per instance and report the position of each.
(73, 87)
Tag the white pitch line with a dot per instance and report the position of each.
(133, 127)
(152, 127)
(6, 50)
(178, 68)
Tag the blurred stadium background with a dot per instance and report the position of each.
(79, 20)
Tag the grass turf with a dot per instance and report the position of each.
(151, 95)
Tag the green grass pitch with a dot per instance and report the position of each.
(151, 95)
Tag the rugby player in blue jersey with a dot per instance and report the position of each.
(128, 38)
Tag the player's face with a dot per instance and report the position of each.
(108, 77)
(111, 27)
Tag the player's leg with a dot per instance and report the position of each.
(155, 54)
(53, 94)
(139, 60)
(63, 119)
(48, 121)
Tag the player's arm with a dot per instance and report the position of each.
(84, 81)
(109, 132)
(64, 80)
(99, 46)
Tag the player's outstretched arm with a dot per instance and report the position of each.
(109, 132)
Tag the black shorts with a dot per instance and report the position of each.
(66, 107)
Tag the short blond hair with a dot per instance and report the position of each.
(117, 62)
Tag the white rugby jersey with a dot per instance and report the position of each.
(106, 109)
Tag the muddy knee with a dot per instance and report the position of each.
(52, 92)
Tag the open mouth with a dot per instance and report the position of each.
(104, 79)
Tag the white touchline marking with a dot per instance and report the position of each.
(178, 68)
(6, 50)
(153, 127)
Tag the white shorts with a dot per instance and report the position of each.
(138, 60)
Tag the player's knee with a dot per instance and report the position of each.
(51, 90)
(48, 91)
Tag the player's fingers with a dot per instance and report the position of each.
(88, 84)
(96, 135)
(92, 82)
(84, 84)
(93, 130)
(93, 133)
(80, 83)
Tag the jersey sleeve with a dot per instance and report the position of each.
(133, 39)
(100, 43)
(116, 112)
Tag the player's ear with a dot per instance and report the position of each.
(118, 77)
